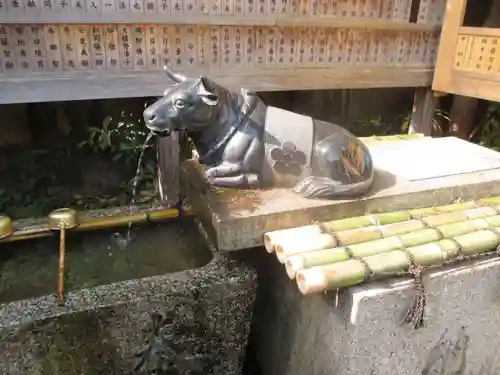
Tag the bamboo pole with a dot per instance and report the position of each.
(340, 254)
(324, 236)
(391, 138)
(353, 271)
(90, 223)
(271, 239)
(62, 262)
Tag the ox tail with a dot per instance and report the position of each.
(326, 188)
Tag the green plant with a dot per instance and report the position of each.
(380, 126)
(122, 139)
(487, 133)
(95, 173)
(376, 126)
(439, 119)
(33, 182)
(123, 142)
(400, 124)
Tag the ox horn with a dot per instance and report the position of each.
(174, 76)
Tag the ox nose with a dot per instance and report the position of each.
(154, 123)
(150, 118)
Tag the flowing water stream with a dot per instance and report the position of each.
(135, 182)
(121, 240)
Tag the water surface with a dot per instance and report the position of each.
(29, 268)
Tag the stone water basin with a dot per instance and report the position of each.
(166, 304)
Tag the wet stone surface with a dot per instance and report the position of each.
(192, 321)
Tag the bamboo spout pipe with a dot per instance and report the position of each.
(89, 223)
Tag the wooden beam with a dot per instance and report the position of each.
(479, 31)
(474, 87)
(150, 19)
(168, 169)
(422, 116)
(454, 17)
(45, 87)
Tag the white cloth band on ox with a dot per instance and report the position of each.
(288, 140)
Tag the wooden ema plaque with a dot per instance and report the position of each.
(116, 48)
(469, 57)
(477, 54)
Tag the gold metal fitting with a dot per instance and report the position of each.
(62, 219)
(6, 227)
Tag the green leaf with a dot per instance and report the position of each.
(93, 130)
(102, 141)
(107, 139)
(106, 122)
(406, 126)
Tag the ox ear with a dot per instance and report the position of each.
(207, 96)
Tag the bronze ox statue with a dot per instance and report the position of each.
(246, 144)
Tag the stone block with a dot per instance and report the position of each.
(192, 321)
(409, 174)
(357, 330)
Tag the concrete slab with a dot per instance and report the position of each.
(409, 174)
(357, 331)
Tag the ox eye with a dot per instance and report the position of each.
(179, 103)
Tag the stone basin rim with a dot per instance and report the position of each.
(26, 311)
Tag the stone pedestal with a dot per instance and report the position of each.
(409, 174)
(357, 331)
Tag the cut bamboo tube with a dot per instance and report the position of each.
(340, 254)
(271, 239)
(353, 272)
(390, 138)
(160, 215)
(379, 219)
(92, 223)
(303, 243)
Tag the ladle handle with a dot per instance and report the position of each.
(62, 254)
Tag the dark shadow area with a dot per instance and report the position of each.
(78, 154)
(382, 180)
(415, 5)
(477, 12)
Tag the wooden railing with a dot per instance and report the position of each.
(54, 50)
(469, 57)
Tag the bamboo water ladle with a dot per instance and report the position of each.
(6, 227)
(62, 220)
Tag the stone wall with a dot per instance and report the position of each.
(358, 330)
